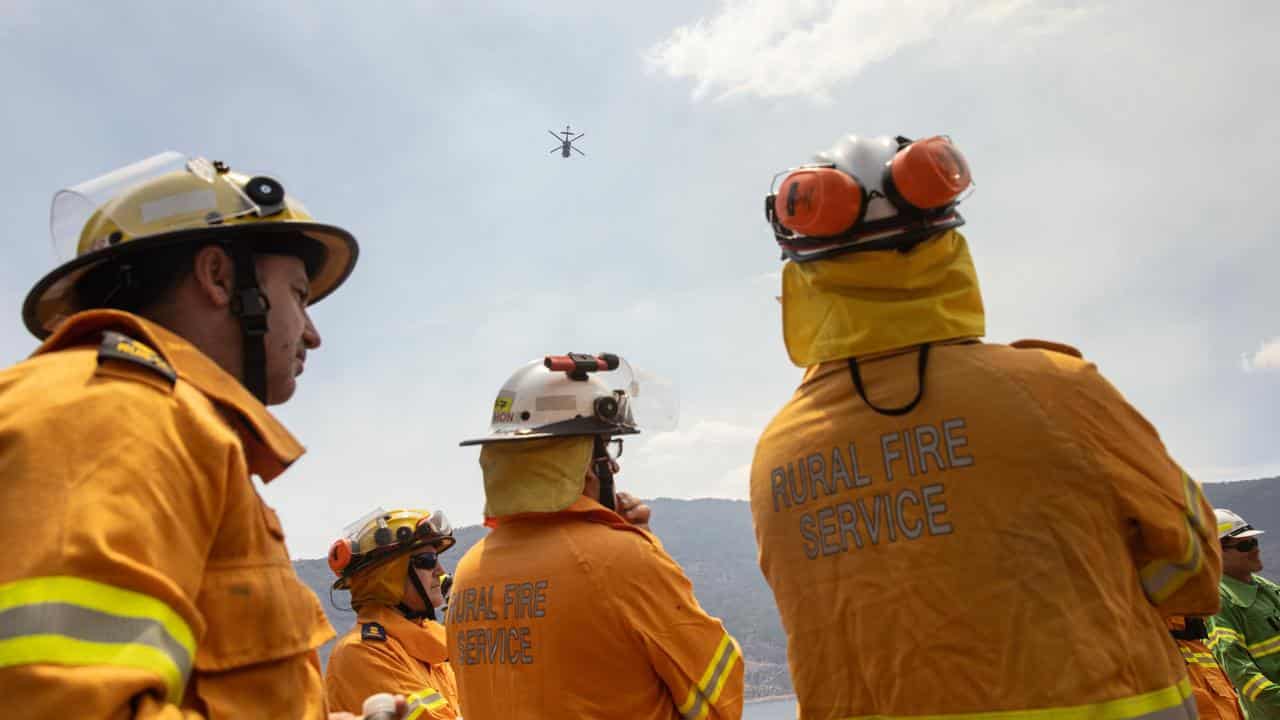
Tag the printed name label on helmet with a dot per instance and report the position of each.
(874, 511)
(507, 613)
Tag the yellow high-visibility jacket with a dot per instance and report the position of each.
(146, 577)
(387, 653)
(577, 614)
(1011, 545)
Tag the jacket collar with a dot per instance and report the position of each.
(585, 509)
(426, 640)
(269, 447)
(862, 304)
(1239, 593)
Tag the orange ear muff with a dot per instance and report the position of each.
(929, 174)
(818, 201)
(340, 555)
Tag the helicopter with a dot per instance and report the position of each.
(566, 140)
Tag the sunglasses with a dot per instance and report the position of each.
(1243, 546)
(425, 561)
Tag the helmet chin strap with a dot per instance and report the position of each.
(250, 305)
(603, 470)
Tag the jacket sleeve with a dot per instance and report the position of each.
(1175, 546)
(358, 670)
(697, 659)
(1260, 696)
(103, 623)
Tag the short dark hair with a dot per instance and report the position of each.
(138, 281)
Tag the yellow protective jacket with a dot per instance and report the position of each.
(149, 580)
(577, 614)
(1009, 545)
(1012, 544)
(385, 652)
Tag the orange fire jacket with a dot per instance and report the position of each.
(1010, 545)
(387, 653)
(1216, 699)
(577, 614)
(150, 580)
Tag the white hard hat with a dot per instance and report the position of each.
(560, 396)
(1231, 525)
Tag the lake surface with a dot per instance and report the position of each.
(770, 710)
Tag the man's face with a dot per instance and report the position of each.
(1241, 558)
(290, 334)
(430, 579)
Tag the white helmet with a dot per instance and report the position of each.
(1231, 525)
(559, 396)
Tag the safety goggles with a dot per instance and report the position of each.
(1246, 545)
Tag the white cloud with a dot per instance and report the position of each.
(704, 457)
(1267, 357)
(802, 48)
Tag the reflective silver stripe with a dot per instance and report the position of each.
(81, 623)
(727, 658)
(1185, 711)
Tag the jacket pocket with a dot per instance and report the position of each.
(256, 614)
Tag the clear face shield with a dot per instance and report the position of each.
(646, 401)
(163, 193)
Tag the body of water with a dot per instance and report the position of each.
(784, 709)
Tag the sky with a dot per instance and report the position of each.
(1123, 154)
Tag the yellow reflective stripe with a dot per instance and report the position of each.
(1194, 657)
(1172, 703)
(422, 701)
(1270, 646)
(1162, 578)
(60, 650)
(72, 621)
(706, 691)
(1194, 507)
(1220, 635)
(97, 596)
(1254, 687)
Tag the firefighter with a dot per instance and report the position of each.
(569, 608)
(927, 501)
(1216, 699)
(1245, 634)
(390, 562)
(153, 581)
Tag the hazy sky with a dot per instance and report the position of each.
(1124, 155)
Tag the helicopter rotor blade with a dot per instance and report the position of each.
(555, 149)
(577, 151)
(554, 135)
(578, 136)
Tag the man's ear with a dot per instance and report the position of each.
(214, 274)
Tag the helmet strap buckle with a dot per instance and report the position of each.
(250, 304)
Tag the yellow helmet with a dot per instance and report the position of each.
(385, 534)
(170, 200)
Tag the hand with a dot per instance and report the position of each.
(402, 707)
(633, 510)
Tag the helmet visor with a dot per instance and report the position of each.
(162, 193)
(650, 402)
(437, 523)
